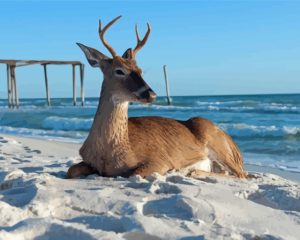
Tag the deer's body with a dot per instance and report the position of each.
(122, 146)
(156, 144)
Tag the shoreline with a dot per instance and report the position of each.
(74, 147)
(294, 176)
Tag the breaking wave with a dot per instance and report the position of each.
(245, 130)
(64, 123)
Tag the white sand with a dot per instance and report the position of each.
(37, 202)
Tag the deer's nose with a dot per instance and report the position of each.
(148, 95)
(152, 96)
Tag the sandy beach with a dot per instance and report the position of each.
(37, 202)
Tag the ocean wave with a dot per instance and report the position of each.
(68, 136)
(92, 103)
(159, 107)
(245, 130)
(221, 107)
(64, 123)
(225, 103)
(247, 106)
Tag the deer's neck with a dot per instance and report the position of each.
(111, 121)
(108, 148)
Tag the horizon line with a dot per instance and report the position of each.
(216, 95)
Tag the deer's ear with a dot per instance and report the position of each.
(93, 56)
(127, 54)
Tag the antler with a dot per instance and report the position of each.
(140, 43)
(102, 32)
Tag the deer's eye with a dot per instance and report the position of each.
(119, 72)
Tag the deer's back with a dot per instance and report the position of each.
(165, 140)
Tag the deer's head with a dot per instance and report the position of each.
(122, 77)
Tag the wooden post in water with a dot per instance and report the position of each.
(8, 85)
(15, 100)
(12, 88)
(81, 83)
(47, 86)
(15, 87)
(167, 85)
(74, 84)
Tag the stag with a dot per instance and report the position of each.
(122, 146)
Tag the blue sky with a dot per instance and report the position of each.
(210, 47)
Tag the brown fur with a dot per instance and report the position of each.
(169, 144)
(118, 146)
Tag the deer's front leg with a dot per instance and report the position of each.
(80, 169)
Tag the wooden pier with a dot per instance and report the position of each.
(12, 91)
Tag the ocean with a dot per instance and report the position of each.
(265, 127)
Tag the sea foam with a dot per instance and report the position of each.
(64, 123)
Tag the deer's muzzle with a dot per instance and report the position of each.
(148, 95)
(141, 89)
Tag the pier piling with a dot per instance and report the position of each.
(14, 92)
(74, 84)
(15, 87)
(47, 86)
(167, 85)
(8, 86)
(81, 84)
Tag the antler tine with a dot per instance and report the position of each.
(137, 33)
(140, 43)
(102, 32)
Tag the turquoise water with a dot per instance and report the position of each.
(266, 127)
